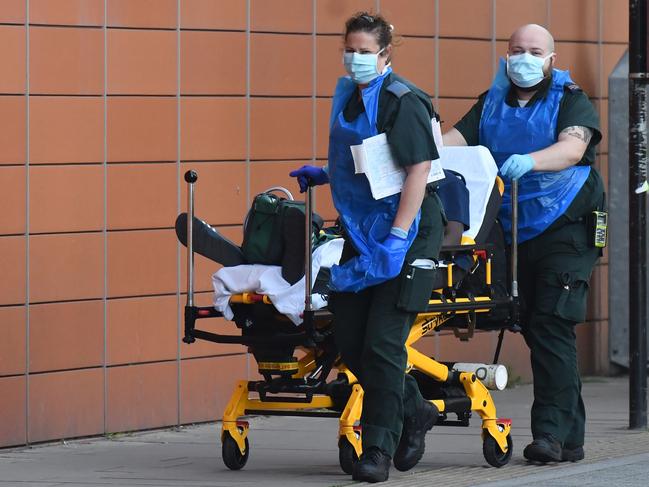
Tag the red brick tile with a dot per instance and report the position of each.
(213, 63)
(13, 11)
(66, 198)
(323, 114)
(142, 195)
(512, 14)
(142, 62)
(329, 64)
(212, 129)
(273, 71)
(142, 13)
(12, 58)
(66, 336)
(12, 403)
(13, 322)
(66, 61)
(65, 267)
(615, 21)
(270, 16)
(67, 12)
(414, 59)
(12, 199)
(141, 263)
(13, 129)
(66, 404)
(281, 128)
(332, 14)
(573, 20)
(206, 389)
(142, 396)
(466, 79)
(142, 129)
(410, 17)
(219, 194)
(453, 21)
(582, 60)
(208, 14)
(66, 129)
(141, 330)
(204, 268)
(12, 269)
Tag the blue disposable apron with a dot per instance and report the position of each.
(366, 221)
(543, 196)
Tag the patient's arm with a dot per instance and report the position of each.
(453, 234)
(454, 137)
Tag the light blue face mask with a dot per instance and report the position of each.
(362, 68)
(526, 70)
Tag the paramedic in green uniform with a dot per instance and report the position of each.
(542, 131)
(382, 237)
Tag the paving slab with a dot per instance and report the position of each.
(287, 452)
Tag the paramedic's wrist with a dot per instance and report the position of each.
(399, 233)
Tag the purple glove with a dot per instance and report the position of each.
(309, 176)
(517, 165)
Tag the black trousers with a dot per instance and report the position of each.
(371, 331)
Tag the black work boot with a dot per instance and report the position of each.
(413, 436)
(373, 466)
(572, 454)
(544, 449)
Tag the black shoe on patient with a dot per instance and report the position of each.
(373, 466)
(544, 449)
(413, 436)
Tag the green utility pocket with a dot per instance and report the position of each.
(416, 288)
(566, 297)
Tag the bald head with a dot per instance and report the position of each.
(531, 38)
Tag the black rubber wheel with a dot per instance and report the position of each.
(492, 452)
(346, 455)
(232, 457)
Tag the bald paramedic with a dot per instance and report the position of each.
(542, 131)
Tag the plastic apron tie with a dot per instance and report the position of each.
(366, 221)
(543, 196)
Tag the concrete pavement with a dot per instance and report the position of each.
(288, 452)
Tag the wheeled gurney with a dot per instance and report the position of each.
(303, 386)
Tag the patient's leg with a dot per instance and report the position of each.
(209, 243)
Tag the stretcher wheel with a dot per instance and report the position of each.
(492, 452)
(346, 455)
(231, 454)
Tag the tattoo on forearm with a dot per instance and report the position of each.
(582, 133)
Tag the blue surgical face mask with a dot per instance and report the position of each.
(526, 70)
(362, 68)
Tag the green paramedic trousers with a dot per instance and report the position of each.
(371, 333)
(554, 269)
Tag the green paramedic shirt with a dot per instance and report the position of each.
(405, 120)
(575, 110)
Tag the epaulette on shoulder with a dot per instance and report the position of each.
(398, 89)
(573, 87)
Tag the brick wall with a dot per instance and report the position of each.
(105, 104)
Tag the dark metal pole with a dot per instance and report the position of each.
(638, 78)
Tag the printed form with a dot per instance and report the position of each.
(374, 159)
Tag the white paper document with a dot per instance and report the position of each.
(374, 159)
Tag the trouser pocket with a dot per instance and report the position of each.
(565, 296)
(416, 288)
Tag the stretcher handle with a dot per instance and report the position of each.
(308, 254)
(514, 253)
(190, 177)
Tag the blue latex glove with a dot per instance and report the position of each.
(309, 176)
(517, 165)
(388, 258)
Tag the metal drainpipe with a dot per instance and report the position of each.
(638, 78)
